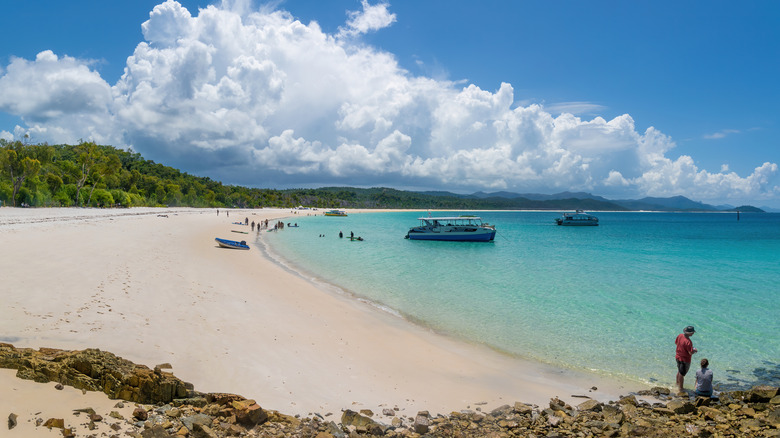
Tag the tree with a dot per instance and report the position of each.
(105, 165)
(16, 161)
(87, 156)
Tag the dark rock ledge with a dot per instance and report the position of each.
(169, 407)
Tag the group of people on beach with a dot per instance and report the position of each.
(684, 355)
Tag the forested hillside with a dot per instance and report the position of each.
(93, 175)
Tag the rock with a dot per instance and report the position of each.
(251, 414)
(117, 415)
(388, 412)
(155, 432)
(501, 411)
(590, 405)
(421, 424)
(59, 423)
(522, 409)
(772, 418)
(140, 414)
(97, 418)
(203, 431)
(190, 421)
(628, 400)
(361, 423)
(612, 414)
(163, 366)
(367, 412)
(760, 394)
(681, 406)
(12, 420)
(59, 387)
(775, 400)
(93, 370)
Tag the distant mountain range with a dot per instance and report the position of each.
(675, 203)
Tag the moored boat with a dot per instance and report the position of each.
(579, 218)
(455, 228)
(335, 213)
(233, 244)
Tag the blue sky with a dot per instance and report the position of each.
(622, 99)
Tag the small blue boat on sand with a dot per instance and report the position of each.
(225, 243)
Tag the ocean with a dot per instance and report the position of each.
(609, 299)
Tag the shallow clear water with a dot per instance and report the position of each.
(610, 299)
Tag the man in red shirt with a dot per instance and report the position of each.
(684, 352)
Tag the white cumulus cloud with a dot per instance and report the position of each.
(259, 98)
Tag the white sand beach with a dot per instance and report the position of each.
(158, 289)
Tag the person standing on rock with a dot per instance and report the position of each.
(683, 355)
(704, 380)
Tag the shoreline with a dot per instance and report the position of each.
(235, 322)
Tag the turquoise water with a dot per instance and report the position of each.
(609, 299)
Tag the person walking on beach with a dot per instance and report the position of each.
(704, 380)
(683, 356)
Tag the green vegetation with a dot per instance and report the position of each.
(93, 175)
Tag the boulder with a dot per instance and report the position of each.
(12, 420)
(250, 414)
(522, 409)
(590, 405)
(140, 414)
(681, 406)
(361, 423)
(190, 421)
(422, 424)
(761, 394)
(612, 414)
(59, 423)
(155, 431)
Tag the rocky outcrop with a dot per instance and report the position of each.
(753, 413)
(94, 370)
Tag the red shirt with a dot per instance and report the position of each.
(684, 348)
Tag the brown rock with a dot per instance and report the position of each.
(54, 422)
(96, 418)
(203, 431)
(12, 420)
(155, 431)
(251, 415)
(612, 414)
(763, 393)
(681, 406)
(590, 405)
(421, 424)
(59, 387)
(367, 412)
(140, 414)
(522, 408)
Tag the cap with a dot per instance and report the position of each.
(690, 329)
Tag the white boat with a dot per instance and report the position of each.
(335, 213)
(579, 218)
(456, 228)
(233, 244)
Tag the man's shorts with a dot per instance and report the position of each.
(683, 367)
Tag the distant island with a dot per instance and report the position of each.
(92, 175)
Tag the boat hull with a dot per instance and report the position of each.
(232, 244)
(454, 236)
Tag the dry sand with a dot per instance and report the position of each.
(157, 289)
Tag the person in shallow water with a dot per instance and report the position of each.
(704, 380)
(683, 356)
